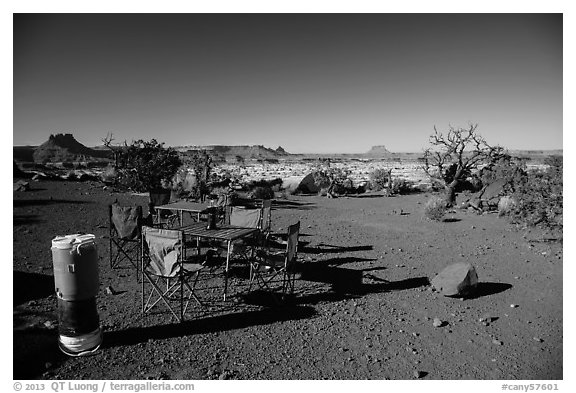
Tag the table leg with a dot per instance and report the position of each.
(226, 269)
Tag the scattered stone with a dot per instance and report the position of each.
(438, 323)
(459, 279)
(49, 325)
(225, 375)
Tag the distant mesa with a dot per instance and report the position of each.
(377, 151)
(65, 148)
(233, 153)
(280, 150)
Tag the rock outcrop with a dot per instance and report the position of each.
(64, 148)
(378, 151)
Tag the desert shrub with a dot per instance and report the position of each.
(379, 179)
(536, 197)
(402, 186)
(265, 183)
(262, 193)
(505, 167)
(145, 165)
(435, 208)
(539, 197)
(506, 205)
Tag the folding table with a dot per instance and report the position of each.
(228, 233)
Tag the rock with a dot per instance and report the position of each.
(513, 305)
(497, 342)
(419, 374)
(109, 291)
(459, 279)
(225, 375)
(49, 325)
(538, 339)
(438, 323)
(21, 185)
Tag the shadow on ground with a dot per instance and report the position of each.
(35, 351)
(31, 286)
(43, 202)
(20, 219)
(488, 288)
(323, 248)
(281, 204)
(220, 323)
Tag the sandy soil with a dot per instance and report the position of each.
(382, 329)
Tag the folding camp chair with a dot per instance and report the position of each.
(162, 218)
(266, 220)
(171, 275)
(125, 224)
(269, 265)
(247, 218)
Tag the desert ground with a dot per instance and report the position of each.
(365, 312)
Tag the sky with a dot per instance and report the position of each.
(311, 83)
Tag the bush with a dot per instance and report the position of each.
(262, 193)
(402, 186)
(266, 183)
(539, 198)
(536, 196)
(379, 179)
(435, 208)
(506, 206)
(146, 165)
(506, 167)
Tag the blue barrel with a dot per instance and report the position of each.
(75, 261)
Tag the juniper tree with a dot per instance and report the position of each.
(452, 157)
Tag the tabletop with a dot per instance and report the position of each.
(223, 232)
(195, 207)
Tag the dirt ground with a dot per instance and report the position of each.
(381, 328)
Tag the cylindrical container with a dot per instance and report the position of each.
(75, 261)
(211, 218)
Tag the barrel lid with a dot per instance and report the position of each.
(67, 242)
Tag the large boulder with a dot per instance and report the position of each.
(312, 183)
(491, 194)
(459, 279)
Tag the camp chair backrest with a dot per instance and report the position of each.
(292, 244)
(248, 218)
(165, 248)
(266, 215)
(159, 197)
(222, 200)
(126, 220)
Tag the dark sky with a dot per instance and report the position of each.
(308, 82)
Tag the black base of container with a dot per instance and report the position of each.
(77, 318)
(81, 345)
(79, 327)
